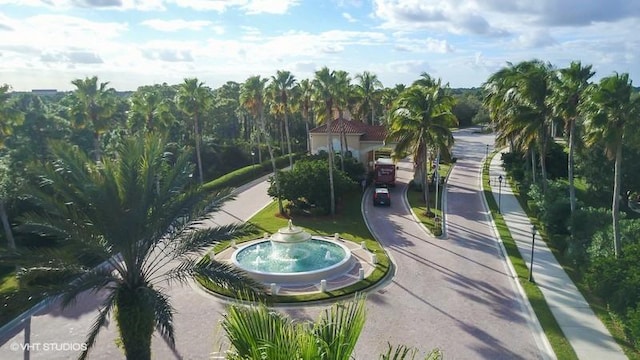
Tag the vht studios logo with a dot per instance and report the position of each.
(52, 346)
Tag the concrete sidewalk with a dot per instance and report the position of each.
(588, 336)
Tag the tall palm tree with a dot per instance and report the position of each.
(194, 99)
(368, 86)
(148, 235)
(325, 86)
(608, 108)
(10, 117)
(94, 105)
(341, 102)
(421, 119)
(566, 96)
(517, 99)
(252, 96)
(305, 92)
(283, 83)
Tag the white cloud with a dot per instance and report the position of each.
(141, 5)
(438, 46)
(269, 6)
(348, 17)
(176, 24)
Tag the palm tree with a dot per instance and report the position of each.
(259, 333)
(421, 119)
(252, 96)
(341, 101)
(149, 106)
(94, 105)
(194, 99)
(256, 332)
(325, 85)
(283, 82)
(368, 87)
(566, 96)
(517, 99)
(305, 92)
(148, 235)
(608, 109)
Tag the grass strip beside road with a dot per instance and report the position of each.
(416, 202)
(552, 330)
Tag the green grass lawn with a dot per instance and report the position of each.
(417, 203)
(348, 223)
(552, 330)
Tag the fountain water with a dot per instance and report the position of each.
(292, 255)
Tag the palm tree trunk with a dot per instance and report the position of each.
(135, 319)
(96, 146)
(533, 165)
(425, 183)
(543, 161)
(306, 125)
(286, 128)
(615, 207)
(11, 242)
(342, 138)
(330, 148)
(198, 155)
(571, 165)
(373, 114)
(273, 160)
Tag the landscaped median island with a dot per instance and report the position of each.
(352, 232)
(433, 221)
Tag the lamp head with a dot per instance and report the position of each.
(533, 229)
(500, 178)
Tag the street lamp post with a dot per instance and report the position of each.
(487, 152)
(500, 194)
(533, 243)
(253, 158)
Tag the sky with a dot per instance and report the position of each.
(45, 44)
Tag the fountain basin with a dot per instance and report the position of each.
(294, 263)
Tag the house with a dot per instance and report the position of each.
(362, 139)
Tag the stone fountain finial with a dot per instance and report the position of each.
(290, 224)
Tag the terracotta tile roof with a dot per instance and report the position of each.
(368, 132)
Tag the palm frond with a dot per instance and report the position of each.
(101, 320)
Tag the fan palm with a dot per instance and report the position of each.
(149, 106)
(422, 118)
(608, 109)
(194, 99)
(148, 233)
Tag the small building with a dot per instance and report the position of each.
(362, 140)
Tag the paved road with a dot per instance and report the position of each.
(455, 294)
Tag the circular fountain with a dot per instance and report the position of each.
(293, 256)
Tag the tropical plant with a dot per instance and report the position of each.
(150, 110)
(148, 232)
(93, 105)
(257, 332)
(10, 116)
(566, 95)
(325, 85)
(608, 109)
(305, 92)
(283, 83)
(421, 119)
(194, 99)
(368, 87)
(341, 101)
(252, 97)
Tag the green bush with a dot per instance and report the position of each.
(247, 174)
(552, 208)
(306, 186)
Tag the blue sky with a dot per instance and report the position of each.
(48, 43)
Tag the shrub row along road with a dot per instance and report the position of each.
(456, 293)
